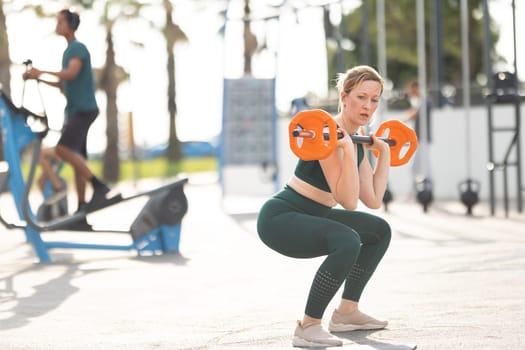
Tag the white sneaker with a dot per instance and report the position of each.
(314, 336)
(354, 321)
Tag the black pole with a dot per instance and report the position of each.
(365, 52)
(488, 102)
(438, 53)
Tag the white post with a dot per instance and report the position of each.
(422, 81)
(466, 79)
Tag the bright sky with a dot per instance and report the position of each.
(201, 65)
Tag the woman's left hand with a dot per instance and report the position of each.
(378, 145)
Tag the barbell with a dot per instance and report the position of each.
(313, 136)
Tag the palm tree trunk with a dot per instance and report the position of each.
(111, 161)
(173, 153)
(250, 41)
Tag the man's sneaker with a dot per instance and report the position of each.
(354, 321)
(98, 198)
(314, 336)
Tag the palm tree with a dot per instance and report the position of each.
(250, 41)
(110, 76)
(172, 33)
(109, 83)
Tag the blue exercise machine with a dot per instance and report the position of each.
(155, 230)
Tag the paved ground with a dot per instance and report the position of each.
(448, 281)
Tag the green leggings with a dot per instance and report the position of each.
(353, 242)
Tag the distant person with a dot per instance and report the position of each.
(301, 222)
(416, 101)
(421, 163)
(297, 105)
(76, 81)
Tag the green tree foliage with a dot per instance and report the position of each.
(401, 40)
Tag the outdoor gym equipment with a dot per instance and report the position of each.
(387, 197)
(468, 188)
(156, 229)
(424, 195)
(469, 193)
(306, 127)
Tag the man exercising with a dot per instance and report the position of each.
(76, 81)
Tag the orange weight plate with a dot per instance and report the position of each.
(317, 122)
(405, 138)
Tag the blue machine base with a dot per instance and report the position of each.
(163, 239)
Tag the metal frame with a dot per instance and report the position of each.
(514, 144)
(17, 136)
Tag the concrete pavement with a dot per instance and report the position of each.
(448, 281)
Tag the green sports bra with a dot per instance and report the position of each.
(311, 172)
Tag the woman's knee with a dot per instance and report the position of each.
(384, 232)
(347, 243)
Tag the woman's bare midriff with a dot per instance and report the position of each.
(311, 192)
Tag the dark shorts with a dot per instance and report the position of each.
(74, 134)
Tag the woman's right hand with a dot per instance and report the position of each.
(344, 141)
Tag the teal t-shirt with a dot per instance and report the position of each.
(312, 173)
(79, 92)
